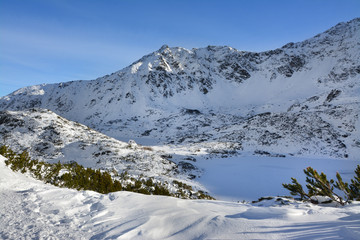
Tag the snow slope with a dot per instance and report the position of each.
(176, 95)
(51, 138)
(34, 210)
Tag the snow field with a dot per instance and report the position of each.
(33, 210)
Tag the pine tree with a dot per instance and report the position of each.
(296, 189)
(355, 185)
(319, 185)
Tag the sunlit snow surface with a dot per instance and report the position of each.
(30, 209)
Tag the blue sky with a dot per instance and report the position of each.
(49, 41)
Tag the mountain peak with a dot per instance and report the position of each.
(163, 48)
(344, 29)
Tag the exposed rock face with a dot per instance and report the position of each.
(302, 98)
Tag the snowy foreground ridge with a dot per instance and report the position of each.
(35, 210)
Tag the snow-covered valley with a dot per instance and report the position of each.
(230, 123)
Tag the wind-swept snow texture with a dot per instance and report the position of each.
(300, 99)
(33, 210)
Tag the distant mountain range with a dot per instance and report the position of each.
(300, 99)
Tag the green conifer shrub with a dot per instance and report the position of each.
(319, 185)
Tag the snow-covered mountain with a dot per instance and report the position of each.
(302, 98)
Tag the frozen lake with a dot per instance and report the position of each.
(251, 177)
